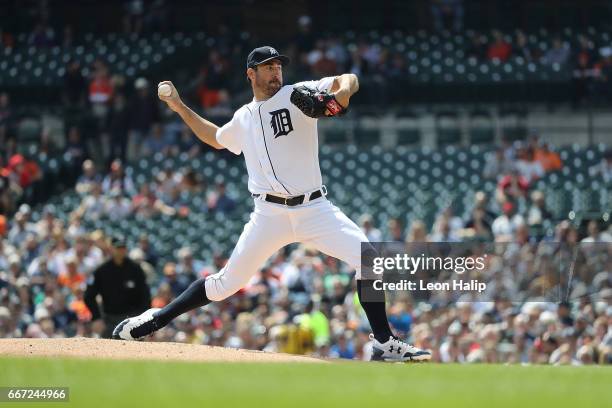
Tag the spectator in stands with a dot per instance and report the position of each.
(478, 226)
(156, 16)
(121, 284)
(75, 153)
(46, 146)
(178, 202)
(188, 143)
(444, 10)
(604, 69)
(527, 167)
(499, 49)
(496, 164)
(395, 230)
(133, 16)
(559, 53)
(117, 206)
(522, 48)
(512, 186)
(265, 282)
(25, 174)
(538, 213)
(147, 203)
(100, 93)
(321, 61)
(477, 47)
(144, 111)
(88, 178)
(343, 347)
(188, 267)
(70, 277)
(171, 278)
(220, 201)
(156, 141)
(117, 180)
(150, 254)
(163, 297)
(367, 226)
(191, 181)
(397, 67)
(67, 40)
(441, 231)
(20, 229)
(548, 159)
(75, 85)
(3, 228)
(604, 168)
(213, 79)
(304, 39)
(7, 121)
(455, 223)
(584, 71)
(7, 40)
(75, 227)
(44, 227)
(7, 191)
(42, 35)
(595, 235)
(505, 226)
(417, 232)
(481, 201)
(119, 125)
(92, 205)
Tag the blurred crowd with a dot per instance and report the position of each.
(302, 301)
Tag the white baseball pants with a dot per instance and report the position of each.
(273, 226)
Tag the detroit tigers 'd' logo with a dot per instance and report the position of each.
(281, 122)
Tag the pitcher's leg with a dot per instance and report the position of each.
(262, 236)
(329, 230)
(333, 233)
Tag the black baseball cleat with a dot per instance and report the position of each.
(138, 327)
(396, 350)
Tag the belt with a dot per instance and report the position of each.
(291, 201)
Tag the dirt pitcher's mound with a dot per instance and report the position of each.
(135, 350)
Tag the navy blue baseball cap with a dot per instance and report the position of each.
(264, 54)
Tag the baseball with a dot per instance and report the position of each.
(164, 90)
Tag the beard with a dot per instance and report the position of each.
(272, 87)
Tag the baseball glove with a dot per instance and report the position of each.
(314, 103)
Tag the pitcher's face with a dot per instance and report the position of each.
(267, 77)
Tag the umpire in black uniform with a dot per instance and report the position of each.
(123, 289)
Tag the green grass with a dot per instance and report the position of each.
(95, 383)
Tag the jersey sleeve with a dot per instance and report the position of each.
(228, 135)
(323, 84)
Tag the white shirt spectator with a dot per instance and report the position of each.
(531, 170)
(117, 207)
(506, 225)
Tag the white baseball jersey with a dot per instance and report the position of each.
(280, 144)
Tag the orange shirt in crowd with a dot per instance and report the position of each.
(2, 225)
(209, 97)
(80, 308)
(550, 161)
(70, 281)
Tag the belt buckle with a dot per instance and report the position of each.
(286, 201)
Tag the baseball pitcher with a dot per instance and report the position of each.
(277, 134)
